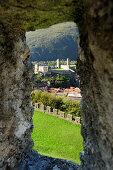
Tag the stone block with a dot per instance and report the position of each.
(55, 111)
(48, 110)
(69, 117)
(62, 114)
(42, 108)
(77, 120)
(37, 106)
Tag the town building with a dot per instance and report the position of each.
(69, 92)
(67, 66)
(43, 69)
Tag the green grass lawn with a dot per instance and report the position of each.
(57, 69)
(56, 137)
(39, 75)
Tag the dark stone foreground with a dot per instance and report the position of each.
(35, 161)
(95, 68)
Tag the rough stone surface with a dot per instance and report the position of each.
(34, 161)
(95, 67)
(15, 109)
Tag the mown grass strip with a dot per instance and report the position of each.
(56, 137)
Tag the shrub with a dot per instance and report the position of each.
(61, 103)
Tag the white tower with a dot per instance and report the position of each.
(68, 61)
(36, 68)
(58, 63)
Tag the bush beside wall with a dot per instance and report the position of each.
(61, 103)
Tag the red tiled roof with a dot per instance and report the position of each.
(72, 89)
(53, 90)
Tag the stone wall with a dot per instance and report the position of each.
(95, 67)
(15, 110)
(57, 113)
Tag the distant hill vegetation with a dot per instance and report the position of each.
(57, 41)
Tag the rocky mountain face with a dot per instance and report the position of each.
(57, 41)
(95, 67)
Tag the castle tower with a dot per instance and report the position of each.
(36, 68)
(68, 61)
(58, 63)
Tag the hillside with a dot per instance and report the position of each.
(57, 41)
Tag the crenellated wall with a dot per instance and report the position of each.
(95, 67)
(58, 113)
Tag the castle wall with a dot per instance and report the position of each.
(57, 113)
(95, 67)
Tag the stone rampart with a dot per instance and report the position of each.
(62, 114)
(69, 117)
(54, 112)
(77, 120)
(42, 108)
(36, 106)
(48, 110)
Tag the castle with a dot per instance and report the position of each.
(65, 67)
(45, 69)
